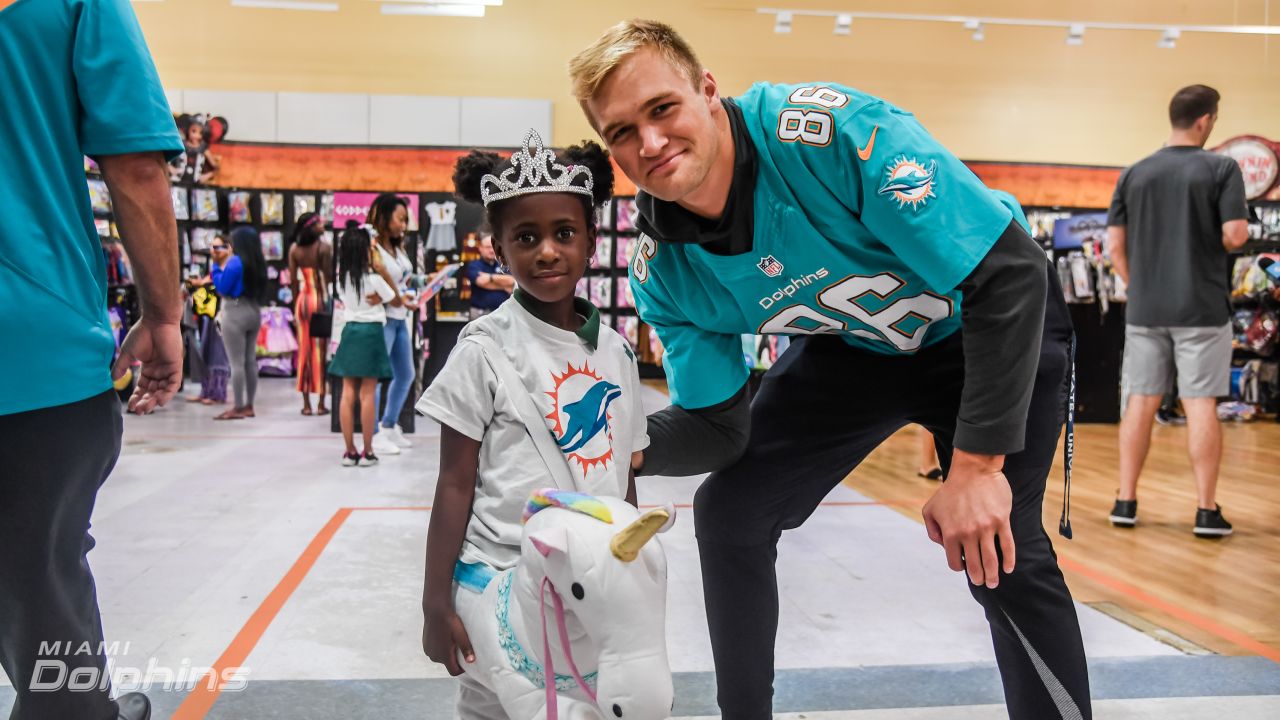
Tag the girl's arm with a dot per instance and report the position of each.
(443, 635)
(637, 459)
(381, 268)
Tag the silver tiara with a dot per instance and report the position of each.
(534, 169)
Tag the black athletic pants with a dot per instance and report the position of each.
(820, 410)
(52, 462)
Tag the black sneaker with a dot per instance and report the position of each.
(1170, 417)
(134, 706)
(350, 459)
(1211, 524)
(368, 459)
(1124, 513)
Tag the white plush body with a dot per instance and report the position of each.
(616, 630)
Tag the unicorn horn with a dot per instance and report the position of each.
(627, 543)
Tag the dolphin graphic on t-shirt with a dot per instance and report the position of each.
(588, 416)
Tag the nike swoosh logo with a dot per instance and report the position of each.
(864, 154)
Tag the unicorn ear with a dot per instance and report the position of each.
(555, 539)
(671, 518)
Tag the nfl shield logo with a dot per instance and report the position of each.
(770, 266)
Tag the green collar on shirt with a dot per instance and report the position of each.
(590, 330)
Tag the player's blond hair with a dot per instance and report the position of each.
(590, 68)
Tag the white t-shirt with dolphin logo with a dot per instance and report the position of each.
(590, 399)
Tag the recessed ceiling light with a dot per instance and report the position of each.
(782, 25)
(287, 5)
(442, 10)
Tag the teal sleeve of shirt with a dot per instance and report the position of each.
(122, 103)
(913, 194)
(703, 367)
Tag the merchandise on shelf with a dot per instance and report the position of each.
(181, 206)
(326, 208)
(276, 342)
(444, 219)
(606, 215)
(272, 208)
(272, 244)
(201, 237)
(626, 248)
(624, 298)
(99, 197)
(601, 292)
(204, 204)
(604, 252)
(238, 207)
(303, 204)
(627, 212)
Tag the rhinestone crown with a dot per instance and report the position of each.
(534, 169)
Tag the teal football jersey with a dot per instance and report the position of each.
(864, 227)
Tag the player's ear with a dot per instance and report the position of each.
(710, 91)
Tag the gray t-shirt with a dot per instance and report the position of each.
(597, 431)
(1173, 204)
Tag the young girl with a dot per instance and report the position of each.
(361, 360)
(582, 377)
(389, 216)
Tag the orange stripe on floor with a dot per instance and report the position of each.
(199, 701)
(1232, 636)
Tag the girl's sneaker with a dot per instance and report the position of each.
(396, 435)
(368, 459)
(350, 459)
(382, 443)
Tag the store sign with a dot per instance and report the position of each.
(355, 206)
(1257, 160)
(1072, 233)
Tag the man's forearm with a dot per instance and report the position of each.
(1003, 320)
(683, 442)
(139, 185)
(1118, 252)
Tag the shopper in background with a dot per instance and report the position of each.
(389, 217)
(240, 276)
(361, 360)
(490, 283)
(77, 80)
(1173, 217)
(208, 359)
(739, 194)
(311, 267)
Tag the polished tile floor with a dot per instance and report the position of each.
(245, 544)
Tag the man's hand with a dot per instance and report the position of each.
(443, 636)
(969, 514)
(159, 348)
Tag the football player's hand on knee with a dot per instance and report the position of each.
(969, 517)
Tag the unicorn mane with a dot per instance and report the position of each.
(575, 501)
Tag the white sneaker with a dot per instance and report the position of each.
(396, 434)
(384, 445)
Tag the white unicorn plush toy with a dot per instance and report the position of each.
(588, 596)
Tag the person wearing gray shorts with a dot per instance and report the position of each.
(1173, 218)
